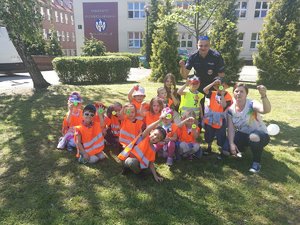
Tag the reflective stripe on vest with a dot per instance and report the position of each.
(123, 132)
(85, 145)
(101, 144)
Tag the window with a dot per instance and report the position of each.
(62, 2)
(42, 12)
(185, 40)
(45, 35)
(255, 39)
(68, 37)
(58, 35)
(241, 9)
(183, 4)
(135, 39)
(261, 9)
(72, 20)
(56, 16)
(63, 36)
(74, 52)
(48, 14)
(66, 18)
(240, 39)
(136, 10)
(73, 37)
(61, 18)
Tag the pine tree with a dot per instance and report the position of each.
(164, 58)
(93, 47)
(152, 18)
(224, 38)
(278, 58)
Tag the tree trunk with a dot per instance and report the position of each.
(37, 78)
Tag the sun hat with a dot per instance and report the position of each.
(194, 80)
(139, 91)
(75, 97)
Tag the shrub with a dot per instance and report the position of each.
(134, 57)
(92, 70)
(93, 47)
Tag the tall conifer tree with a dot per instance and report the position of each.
(278, 58)
(164, 58)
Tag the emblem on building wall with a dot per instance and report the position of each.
(100, 25)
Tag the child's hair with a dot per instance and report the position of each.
(172, 78)
(90, 108)
(117, 104)
(159, 101)
(189, 114)
(110, 109)
(162, 132)
(160, 89)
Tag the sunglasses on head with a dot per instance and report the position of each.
(89, 114)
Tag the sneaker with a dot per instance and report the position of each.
(169, 161)
(225, 153)
(62, 143)
(255, 168)
(207, 151)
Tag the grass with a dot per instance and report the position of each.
(41, 185)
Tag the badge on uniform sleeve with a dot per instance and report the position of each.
(210, 72)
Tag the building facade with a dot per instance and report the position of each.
(120, 24)
(58, 17)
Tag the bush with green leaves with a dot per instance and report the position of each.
(278, 58)
(53, 47)
(92, 70)
(93, 47)
(134, 57)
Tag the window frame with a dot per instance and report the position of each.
(239, 9)
(261, 9)
(256, 41)
(141, 12)
(134, 40)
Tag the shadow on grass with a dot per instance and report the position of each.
(39, 184)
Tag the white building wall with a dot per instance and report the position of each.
(247, 25)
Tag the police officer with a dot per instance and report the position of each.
(206, 62)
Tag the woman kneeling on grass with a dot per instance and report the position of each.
(141, 156)
(245, 126)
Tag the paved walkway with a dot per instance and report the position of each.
(19, 82)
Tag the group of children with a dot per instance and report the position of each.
(168, 126)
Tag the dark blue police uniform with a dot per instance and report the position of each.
(206, 68)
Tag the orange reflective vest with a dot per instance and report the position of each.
(185, 135)
(91, 137)
(150, 118)
(75, 120)
(143, 151)
(129, 130)
(115, 125)
(172, 130)
(146, 107)
(214, 111)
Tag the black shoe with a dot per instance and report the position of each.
(207, 151)
(125, 171)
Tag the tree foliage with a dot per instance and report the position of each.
(278, 57)
(164, 58)
(93, 47)
(23, 23)
(224, 38)
(152, 19)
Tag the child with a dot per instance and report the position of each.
(142, 155)
(136, 97)
(190, 100)
(168, 145)
(72, 119)
(131, 127)
(156, 106)
(113, 130)
(162, 93)
(170, 86)
(188, 132)
(89, 138)
(217, 101)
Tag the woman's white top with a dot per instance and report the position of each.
(247, 120)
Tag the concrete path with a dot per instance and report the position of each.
(19, 82)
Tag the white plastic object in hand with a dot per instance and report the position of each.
(273, 129)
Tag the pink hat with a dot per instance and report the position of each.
(168, 110)
(139, 91)
(75, 97)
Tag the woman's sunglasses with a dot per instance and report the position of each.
(89, 114)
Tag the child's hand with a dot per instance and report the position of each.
(101, 109)
(86, 156)
(182, 63)
(191, 119)
(70, 105)
(187, 82)
(217, 82)
(136, 87)
(158, 179)
(163, 115)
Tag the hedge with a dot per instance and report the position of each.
(92, 70)
(135, 62)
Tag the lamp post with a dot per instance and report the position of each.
(147, 9)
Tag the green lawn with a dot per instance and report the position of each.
(42, 185)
